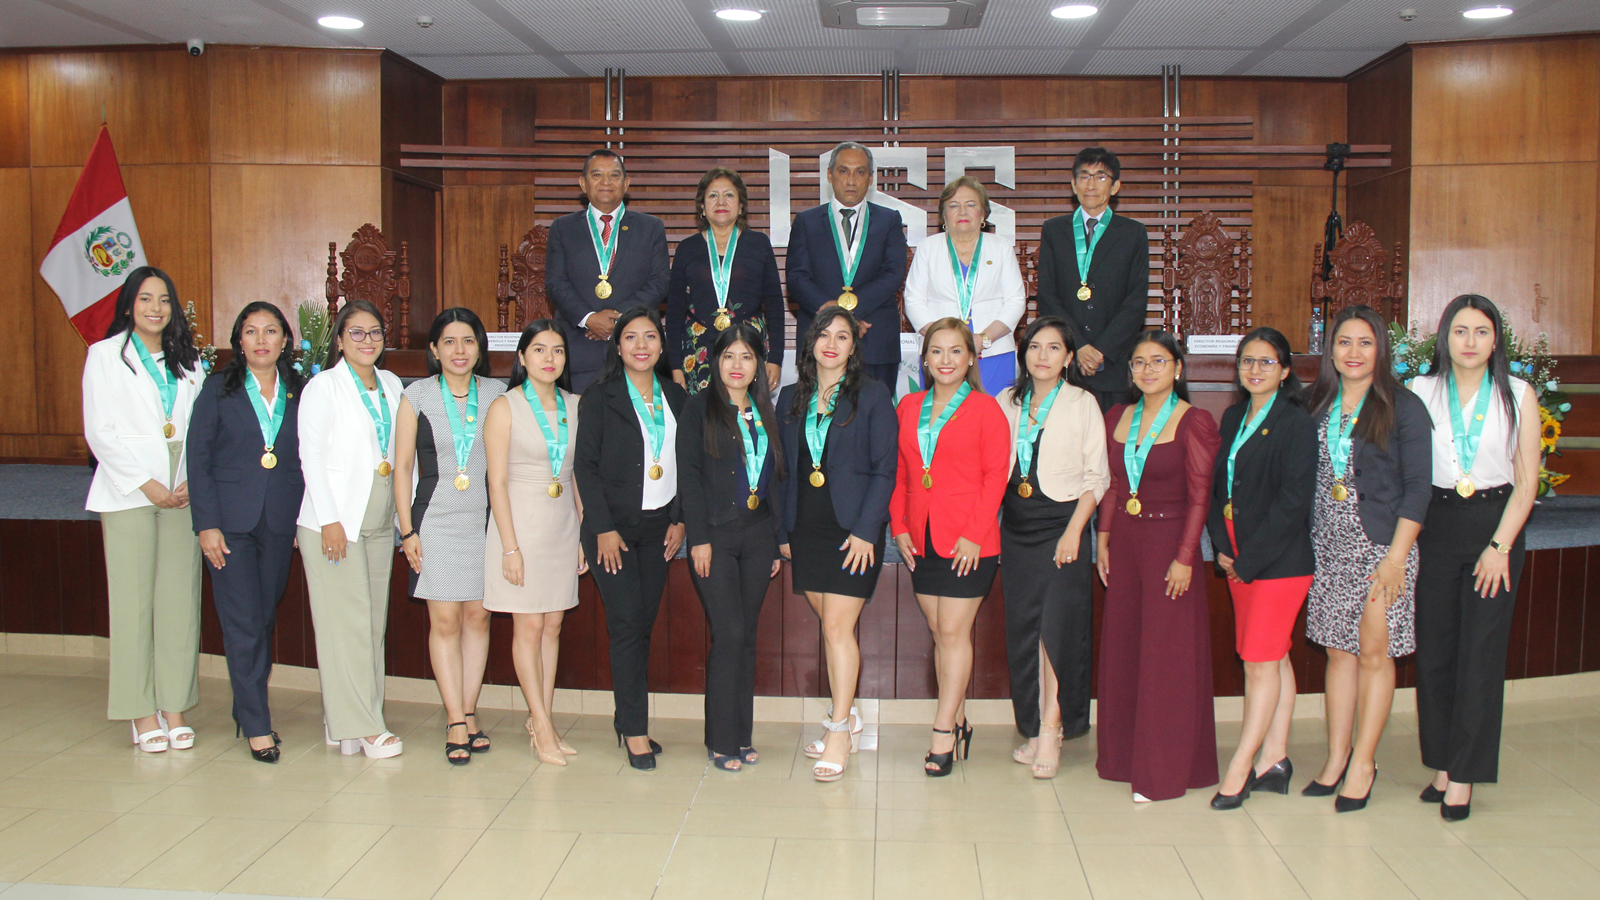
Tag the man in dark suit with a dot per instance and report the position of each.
(847, 232)
(1105, 309)
(586, 292)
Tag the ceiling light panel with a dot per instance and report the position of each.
(1487, 12)
(341, 23)
(900, 14)
(739, 15)
(1205, 23)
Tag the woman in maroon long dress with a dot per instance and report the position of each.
(1156, 728)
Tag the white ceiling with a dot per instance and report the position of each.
(551, 38)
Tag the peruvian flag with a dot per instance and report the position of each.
(95, 245)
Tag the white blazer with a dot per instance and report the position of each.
(122, 422)
(998, 295)
(339, 452)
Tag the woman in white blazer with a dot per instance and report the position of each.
(972, 276)
(346, 526)
(139, 385)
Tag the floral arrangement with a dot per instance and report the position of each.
(314, 338)
(208, 352)
(1529, 360)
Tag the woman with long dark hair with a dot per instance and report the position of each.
(838, 426)
(245, 485)
(627, 468)
(1058, 474)
(1260, 528)
(139, 387)
(1375, 461)
(1485, 478)
(729, 462)
(437, 433)
(1156, 725)
(346, 527)
(533, 560)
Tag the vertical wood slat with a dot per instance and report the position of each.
(1568, 651)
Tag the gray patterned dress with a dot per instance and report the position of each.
(450, 522)
(1345, 557)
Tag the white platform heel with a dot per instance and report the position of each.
(346, 748)
(153, 741)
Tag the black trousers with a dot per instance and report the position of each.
(632, 597)
(887, 373)
(246, 592)
(741, 570)
(1462, 637)
(1053, 606)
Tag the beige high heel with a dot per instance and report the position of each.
(549, 757)
(1023, 755)
(1047, 761)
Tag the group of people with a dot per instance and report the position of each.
(1393, 514)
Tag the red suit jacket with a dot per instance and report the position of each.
(971, 465)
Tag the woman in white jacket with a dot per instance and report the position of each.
(966, 274)
(346, 527)
(139, 385)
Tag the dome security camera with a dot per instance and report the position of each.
(196, 46)
(1408, 15)
(425, 21)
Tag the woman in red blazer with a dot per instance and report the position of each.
(945, 515)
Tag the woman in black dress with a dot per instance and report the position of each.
(839, 428)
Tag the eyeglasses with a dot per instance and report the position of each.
(1093, 178)
(359, 335)
(1158, 364)
(1250, 362)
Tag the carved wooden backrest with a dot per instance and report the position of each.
(1361, 273)
(900, 295)
(520, 297)
(370, 275)
(1205, 279)
(1028, 262)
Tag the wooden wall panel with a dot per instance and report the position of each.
(1385, 204)
(272, 225)
(18, 411)
(1462, 241)
(1379, 104)
(13, 111)
(172, 205)
(277, 105)
(411, 111)
(1288, 224)
(477, 220)
(411, 214)
(155, 103)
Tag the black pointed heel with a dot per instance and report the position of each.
(1455, 813)
(1318, 789)
(270, 754)
(1345, 804)
(964, 739)
(945, 761)
(1276, 779)
(1431, 794)
(644, 762)
(450, 747)
(1231, 801)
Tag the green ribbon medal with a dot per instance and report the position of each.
(270, 421)
(1245, 430)
(1135, 451)
(1028, 431)
(966, 276)
(655, 421)
(462, 435)
(721, 275)
(928, 430)
(847, 267)
(755, 453)
(166, 383)
(1086, 249)
(1467, 434)
(555, 439)
(605, 250)
(817, 435)
(1339, 444)
(380, 417)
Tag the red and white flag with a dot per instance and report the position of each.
(95, 246)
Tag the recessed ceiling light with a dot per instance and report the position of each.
(343, 23)
(739, 15)
(1488, 12)
(1074, 11)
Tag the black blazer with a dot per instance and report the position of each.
(754, 291)
(1119, 274)
(608, 460)
(1395, 482)
(571, 271)
(862, 452)
(228, 488)
(815, 278)
(714, 490)
(1274, 480)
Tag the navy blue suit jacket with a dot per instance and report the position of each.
(862, 451)
(228, 488)
(638, 277)
(815, 278)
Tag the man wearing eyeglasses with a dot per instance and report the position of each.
(1094, 272)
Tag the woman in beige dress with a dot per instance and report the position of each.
(533, 559)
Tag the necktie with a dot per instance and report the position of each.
(605, 228)
(1088, 228)
(849, 226)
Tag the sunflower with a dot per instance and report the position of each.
(1549, 431)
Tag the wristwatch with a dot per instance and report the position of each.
(408, 535)
(987, 342)
(1503, 549)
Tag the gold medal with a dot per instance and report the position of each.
(722, 321)
(471, 419)
(1025, 490)
(269, 459)
(462, 482)
(818, 479)
(1339, 492)
(753, 501)
(384, 468)
(655, 473)
(1227, 511)
(1133, 506)
(603, 289)
(168, 430)
(1465, 487)
(1084, 293)
(847, 300)
(927, 479)
(554, 490)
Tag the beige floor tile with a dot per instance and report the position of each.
(1152, 826)
(1131, 872)
(1490, 830)
(1445, 873)
(1543, 873)
(1015, 870)
(118, 851)
(407, 863)
(144, 768)
(936, 794)
(43, 835)
(308, 860)
(54, 793)
(1591, 855)
(409, 809)
(1341, 873)
(611, 866)
(285, 775)
(430, 779)
(211, 855)
(713, 868)
(591, 816)
(1421, 828)
(234, 802)
(15, 762)
(555, 784)
(10, 814)
(1240, 873)
(507, 865)
(972, 825)
(928, 871)
(791, 822)
(805, 869)
(772, 792)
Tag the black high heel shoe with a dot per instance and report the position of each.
(1318, 789)
(450, 747)
(945, 761)
(1276, 779)
(644, 762)
(1231, 801)
(964, 739)
(267, 755)
(1343, 804)
(476, 736)
(1431, 794)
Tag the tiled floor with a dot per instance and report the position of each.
(80, 807)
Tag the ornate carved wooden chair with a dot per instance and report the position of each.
(1028, 262)
(900, 295)
(370, 274)
(519, 296)
(1361, 273)
(1205, 279)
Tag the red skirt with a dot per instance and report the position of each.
(1264, 613)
